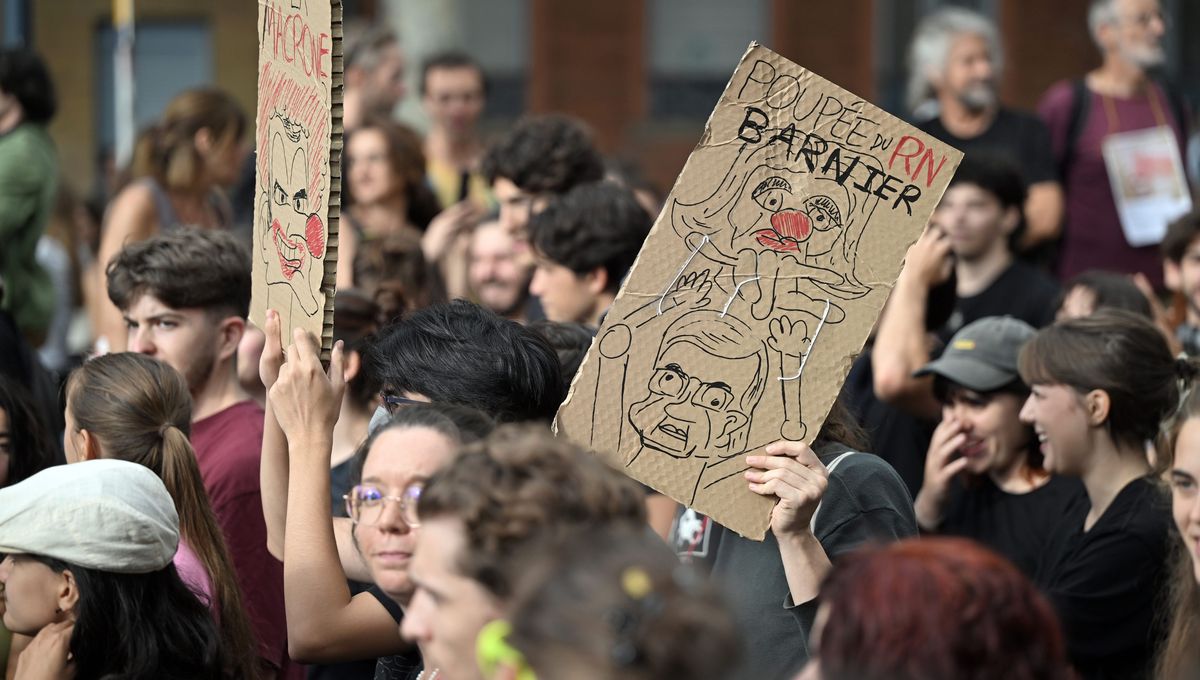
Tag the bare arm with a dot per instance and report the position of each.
(130, 219)
(324, 622)
(792, 473)
(274, 469)
(900, 345)
(1043, 214)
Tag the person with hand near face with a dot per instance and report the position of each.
(1180, 658)
(87, 572)
(1100, 387)
(983, 474)
(127, 406)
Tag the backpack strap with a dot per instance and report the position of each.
(812, 524)
(1081, 103)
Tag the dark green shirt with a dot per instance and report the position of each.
(28, 183)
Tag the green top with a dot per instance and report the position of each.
(28, 182)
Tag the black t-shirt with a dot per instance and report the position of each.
(406, 666)
(1106, 583)
(1019, 137)
(1014, 525)
(1021, 291)
(896, 436)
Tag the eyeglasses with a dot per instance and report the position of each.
(393, 403)
(365, 504)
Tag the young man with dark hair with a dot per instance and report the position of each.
(541, 157)
(28, 185)
(453, 94)
(970, 234)
(185, 296)
(1181, 273)
(584, 242)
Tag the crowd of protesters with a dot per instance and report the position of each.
(1007, 486)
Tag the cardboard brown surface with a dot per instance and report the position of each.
(298, 171)
(756, 288)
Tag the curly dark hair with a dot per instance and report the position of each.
(544, 154)
(185, 269)
(519, 485)
(593, 225)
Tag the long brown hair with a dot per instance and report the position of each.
(406, 156)
(167, 151)
(140, 410)
(1180, 656)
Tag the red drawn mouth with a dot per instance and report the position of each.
(291, 251)
(788, 230)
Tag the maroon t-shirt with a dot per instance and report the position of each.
(228, 447)
(1092, 235)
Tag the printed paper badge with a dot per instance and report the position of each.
(756, 288)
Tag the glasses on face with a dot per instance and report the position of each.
(365, 504)
(671, 381)
(393, 403)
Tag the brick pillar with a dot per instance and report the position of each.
(1044, 42)
(835, 40)
(587, 58)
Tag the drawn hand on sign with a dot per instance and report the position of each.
(293, 238)
(790, 339)
(708, 377)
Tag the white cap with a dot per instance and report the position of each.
(107, 515)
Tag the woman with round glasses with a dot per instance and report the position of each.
(325, 623)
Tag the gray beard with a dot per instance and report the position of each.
(978, 99)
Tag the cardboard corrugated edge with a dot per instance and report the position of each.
(333, 221)
(758, 519)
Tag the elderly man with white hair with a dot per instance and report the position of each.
(1082, 114)
(955, 62)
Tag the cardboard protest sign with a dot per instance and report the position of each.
(756, 288)
(298, 171)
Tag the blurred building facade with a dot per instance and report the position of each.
(644, 73)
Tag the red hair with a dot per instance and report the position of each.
(936, 608)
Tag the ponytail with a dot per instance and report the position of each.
(139, 410)
(167, 150)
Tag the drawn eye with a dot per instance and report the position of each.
(771, 192)
(823, 212)
(714, 398)
(280, 196)
(300, 201)
(669, 381)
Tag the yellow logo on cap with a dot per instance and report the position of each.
(964, 344)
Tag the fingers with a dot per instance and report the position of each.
(337, 363)
(306, 347)
(799, 450)
(954, 467)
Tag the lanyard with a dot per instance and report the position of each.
(1110, 110)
